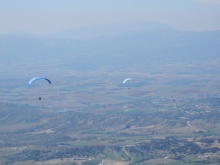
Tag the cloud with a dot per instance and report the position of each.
(209, 1)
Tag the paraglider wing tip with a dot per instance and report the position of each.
(47, 80)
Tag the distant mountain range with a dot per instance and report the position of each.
(119, 44)
(111, 30)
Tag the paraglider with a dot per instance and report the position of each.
(37, 78)
(128, 79)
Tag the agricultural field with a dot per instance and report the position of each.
(170, 117)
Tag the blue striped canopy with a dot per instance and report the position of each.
(37, 78)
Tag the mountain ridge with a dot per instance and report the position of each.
(157, 44)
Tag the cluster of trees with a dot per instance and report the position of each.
(43, 155)
(177, 147)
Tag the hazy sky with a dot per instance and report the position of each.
(49, 16)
